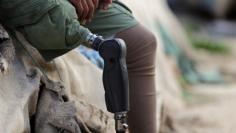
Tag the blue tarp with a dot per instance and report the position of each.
(92, 55)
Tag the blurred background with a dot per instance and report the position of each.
(196, 73)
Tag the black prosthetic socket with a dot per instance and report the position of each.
(115, 79)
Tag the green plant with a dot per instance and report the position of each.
(210, 46)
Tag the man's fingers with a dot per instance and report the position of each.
(78, 6)
(96, 2)
(91, 8)
(105, 4)
(102, 6)
(79, 10)
(85, 11)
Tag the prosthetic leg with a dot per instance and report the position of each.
(115, 78)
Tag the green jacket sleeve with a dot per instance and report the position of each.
(16, 13)
(55, 28)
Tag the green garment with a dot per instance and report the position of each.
(109, 22)
(105, 22)
(21, 12)
(58, 30)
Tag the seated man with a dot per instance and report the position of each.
(54, 28)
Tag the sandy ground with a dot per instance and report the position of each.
(212, 111)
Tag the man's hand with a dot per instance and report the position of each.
(104, 4)
(85, 9)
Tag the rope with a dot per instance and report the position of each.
(34, 61)
(29, 54)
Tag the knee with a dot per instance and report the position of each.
(146, 55)
(149, 41)
(145, 46)
(141, 46)
(145, 42)
(138, 37)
